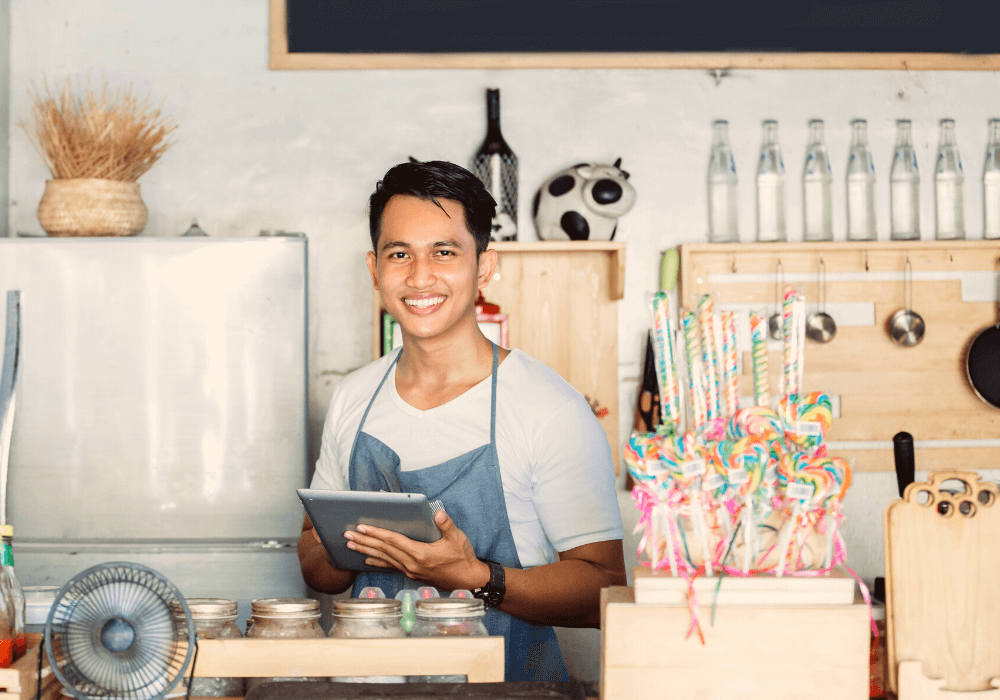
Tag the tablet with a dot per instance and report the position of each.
(335, 512)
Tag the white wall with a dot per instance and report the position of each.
(4, 112)
(301, 151)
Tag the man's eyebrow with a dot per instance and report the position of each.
(395, 244)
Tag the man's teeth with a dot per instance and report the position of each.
(423, 303)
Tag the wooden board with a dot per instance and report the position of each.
(562, 302)
(480, 658)
(660, 588)
(884, 388)
(942, 608)
(751, 652)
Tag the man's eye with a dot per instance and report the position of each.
(446, 252)
(397, 255)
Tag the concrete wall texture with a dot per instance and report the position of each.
(301, 151)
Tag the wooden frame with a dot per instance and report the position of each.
(281, 59)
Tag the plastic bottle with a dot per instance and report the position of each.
(949, 202)
(991, 183)
(860, 186)
(723, 217)
(771, 223)
(817, 188)
(7, 624)
(904, 187)
(16, 591)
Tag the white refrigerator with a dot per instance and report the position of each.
(159, 412)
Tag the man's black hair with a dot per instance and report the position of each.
(431, 181)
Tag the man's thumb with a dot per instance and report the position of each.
(444, 523)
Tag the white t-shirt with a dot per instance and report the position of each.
(555, 462)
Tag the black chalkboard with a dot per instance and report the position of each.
(550, 26)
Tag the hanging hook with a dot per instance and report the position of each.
(867, 269)
(734, 264)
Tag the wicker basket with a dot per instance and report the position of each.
(92, 207)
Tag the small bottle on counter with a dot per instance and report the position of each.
(7, 624)
(214, 618)
(284, 618)
(16, 591)
(723, 215)
(991, 183)
(817, 188)
(448, 617)
(904, 187)
(367, 618)
(860, 185)
(948, 185)
(771, 223)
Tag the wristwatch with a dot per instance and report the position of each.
(492, 593)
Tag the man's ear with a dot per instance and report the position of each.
(372, 268)
(487, 264)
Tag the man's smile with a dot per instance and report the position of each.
(424, 303)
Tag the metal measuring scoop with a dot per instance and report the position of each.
(906, 326)
(775, 327)
(820, 326)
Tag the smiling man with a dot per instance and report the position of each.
(515, 455)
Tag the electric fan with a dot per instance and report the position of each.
(119, 630)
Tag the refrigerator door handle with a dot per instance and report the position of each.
(8, 390)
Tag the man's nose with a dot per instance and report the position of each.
(421, 272)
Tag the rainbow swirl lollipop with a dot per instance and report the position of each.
(807, 419)
(759, 421)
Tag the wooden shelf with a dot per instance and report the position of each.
(562, 302)
(883, 388)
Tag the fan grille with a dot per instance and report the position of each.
(111, 634)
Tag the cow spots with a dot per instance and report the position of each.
(575, 226)
(607, 191)
(561, 185)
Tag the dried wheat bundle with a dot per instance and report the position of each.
(113, 136)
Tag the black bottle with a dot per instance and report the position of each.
(496, 165)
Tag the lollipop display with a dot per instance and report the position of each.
(746, 491)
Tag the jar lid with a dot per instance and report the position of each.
(206, 608)
(367, 607)
(449, 607)
(285, 607)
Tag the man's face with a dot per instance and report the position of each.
(426, 268)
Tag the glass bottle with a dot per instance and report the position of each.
(367, 618)
(991, 183)
(948, 183)
(904, 187)
(496, 165)
(448, 617)
(771, 225)
(860, 186)
(7, 624)
(817, 188)
(284, 618)
(723, 224)
(214, 618)
(16, 591)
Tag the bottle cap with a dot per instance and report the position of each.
(6, 530)
(367, 607)
(450, 607)
(286, 607)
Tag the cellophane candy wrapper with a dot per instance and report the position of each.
(757, 494)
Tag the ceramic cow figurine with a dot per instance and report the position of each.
(583, 203)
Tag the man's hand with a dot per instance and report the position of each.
(448, 564)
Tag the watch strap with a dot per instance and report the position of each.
(493, 592)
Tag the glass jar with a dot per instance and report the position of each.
(448, 617)
(284, 618)
(214, 618)
(367, 618)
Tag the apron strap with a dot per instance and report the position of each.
(354, 445)
(493, 397)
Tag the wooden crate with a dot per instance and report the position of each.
(479, 658)
(753, 652)
(562, 301)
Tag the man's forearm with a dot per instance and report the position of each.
(317, 570)
(566, 593)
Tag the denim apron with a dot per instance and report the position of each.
(471, 491)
